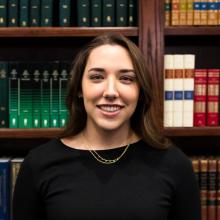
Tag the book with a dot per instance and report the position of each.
(108, 13)
(3, 13)
(5, 188)
(204, 13)
(200, 97)
(96, 13)
(14, 85)
(188, 87)
(45, 95)
(132, 12)
(83, 13)
(36, 94)
(212, 191)
(25, 97)
(175, 13)
(189, 12)
(121, 13)
(168, 90)
(64, 13)
(167, 9)
(213, 97)
(12, 13)
(178, 63)
(35, 13)
(54, 95)
(204, 187)
(182, 12)
(212, 12)
(4, 94)
(24, 13)
(46, 13)
(197, 12)
(63, 82)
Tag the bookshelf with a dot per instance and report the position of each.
(153, 39)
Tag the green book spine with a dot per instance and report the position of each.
(45, 96)
(34, 13)
(121, 13)
(132, 13)
(46, 13)
(54, 95)
(25, 111)
(65, 13)
(3, 13)
(24, 13)
(83, 13)
(108, 11)
(14, 85)
(36, 95)
(63, 81)
(4, 94)
(12, 13)
(96, 13)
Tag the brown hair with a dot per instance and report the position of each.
(142, 121)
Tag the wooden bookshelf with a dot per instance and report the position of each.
(65, 31)
(31, 133)
(192, 132)
(192, 31)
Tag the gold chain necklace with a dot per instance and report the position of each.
(104, 160)
(108, 161)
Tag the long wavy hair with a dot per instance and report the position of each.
(142, 121)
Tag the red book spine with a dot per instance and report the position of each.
(203, 188)
(213, 97)
(200, 98)
(212, 193)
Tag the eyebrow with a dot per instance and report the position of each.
(103, 70)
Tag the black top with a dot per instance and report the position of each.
(57, 182)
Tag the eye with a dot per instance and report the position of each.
(96, 77)
(127, 79)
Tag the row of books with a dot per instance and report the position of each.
(191, 96)
(207, 171)
(9, 168)
(33, 94)
(66, 13)
(192, 12)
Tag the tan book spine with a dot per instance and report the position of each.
(183, 6)
(212, 12)
(196, 12)
(204, 13)
(167, 8)
(189, 12)
(175, 13)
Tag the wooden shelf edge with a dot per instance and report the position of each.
(191, 30)
(64, 31)
(29, 133)
(190, 132)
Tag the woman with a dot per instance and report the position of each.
(111, 162)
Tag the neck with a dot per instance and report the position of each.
(105, 139)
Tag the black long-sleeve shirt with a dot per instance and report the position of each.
(57, 182)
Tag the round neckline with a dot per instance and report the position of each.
(100, 150)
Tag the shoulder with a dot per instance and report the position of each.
(39, 155)
(171, 160)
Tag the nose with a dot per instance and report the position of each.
(110, 91)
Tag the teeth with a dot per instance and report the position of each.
(110, 108)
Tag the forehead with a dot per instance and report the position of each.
(111, 54)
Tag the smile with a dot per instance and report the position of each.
(110, 108)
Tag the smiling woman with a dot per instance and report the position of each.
(111, 161)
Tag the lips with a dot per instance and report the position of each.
(110, 108)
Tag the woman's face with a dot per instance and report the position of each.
(109, 88)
